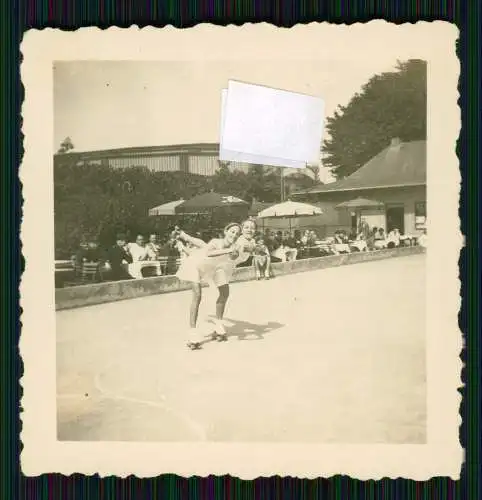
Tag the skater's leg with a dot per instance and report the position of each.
(194, 338)
(195, 302)
(221, 301)
(220, 331)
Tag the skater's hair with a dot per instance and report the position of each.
(249, 220)
(230, 225)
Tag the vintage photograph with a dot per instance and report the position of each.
(227, 258)
(200, 298)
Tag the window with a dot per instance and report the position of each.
(420, 214)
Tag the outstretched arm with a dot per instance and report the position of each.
(197, 242)
(214, 250)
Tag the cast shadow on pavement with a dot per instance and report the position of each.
(244, 330)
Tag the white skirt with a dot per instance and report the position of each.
(198, 268)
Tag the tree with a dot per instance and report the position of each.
(315, 170)
(390, 105)
(66, 146)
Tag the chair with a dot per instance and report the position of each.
(88, 272)
(91, 273)
(163, 264)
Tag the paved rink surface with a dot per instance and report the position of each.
(333, 355)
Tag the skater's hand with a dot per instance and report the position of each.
(249, 247)
(234, 254)
(246, 246)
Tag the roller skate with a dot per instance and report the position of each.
(194, 340)
(219, 333)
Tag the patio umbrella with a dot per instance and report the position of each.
(289, 210)
(359, 203)
(166, 208)
(209, 202)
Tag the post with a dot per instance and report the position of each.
(282, 183)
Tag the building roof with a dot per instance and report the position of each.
(398, 165)
(207, 149)
(199, 148)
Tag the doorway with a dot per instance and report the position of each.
(396, 219)
(354, 223)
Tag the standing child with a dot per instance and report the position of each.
(261, 260)
(210, 262)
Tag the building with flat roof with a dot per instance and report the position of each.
(200, 159)
(196, 159)
(396, 177)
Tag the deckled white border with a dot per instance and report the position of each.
(442, 456)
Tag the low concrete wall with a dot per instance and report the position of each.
(80, 296)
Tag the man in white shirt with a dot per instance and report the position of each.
(153, 248)
(138, 249)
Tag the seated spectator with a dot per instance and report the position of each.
(278, 238)
(261, 260)
(338, 238)
(117, 259)
(371, 238)
(344, 237)
(360, 236)
(287, 240)
(423, 239)
(173, 249)
(88, 252)
(138, 249)
(153, 248)
(297, 237)
(340, 243)
(313, 237)
(272, 244)
(381, 241)
(288, 245)
(380, 235)
(393, 238)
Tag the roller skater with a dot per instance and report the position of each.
(210, 262)
(243, 249)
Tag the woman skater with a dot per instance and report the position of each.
(246, 242)
(242, 251)
(210, 262)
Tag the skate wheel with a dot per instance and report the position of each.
(221, 338)
(194, 345)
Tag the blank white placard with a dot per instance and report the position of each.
(243, 157)
(270, 126)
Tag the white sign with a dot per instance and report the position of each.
(270, 126)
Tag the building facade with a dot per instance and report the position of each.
(396, 177)
(198, 159)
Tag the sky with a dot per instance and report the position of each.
(115, 104)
